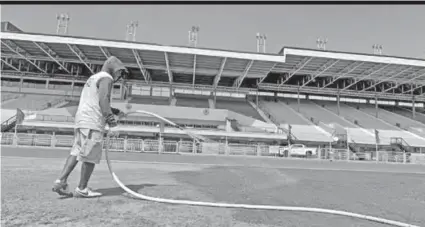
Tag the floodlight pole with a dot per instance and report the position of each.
(377, 49)
(321, 43)
(62, 25)
(258, 42)
(193, 36)
(127, 32)
(261, 42)
(131, 31)
(135, 25)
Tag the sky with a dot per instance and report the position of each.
(400, 29)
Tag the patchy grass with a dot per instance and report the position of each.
(28, 201)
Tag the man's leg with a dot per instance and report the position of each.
(86, 171)
(90, 155)
(69, 166)
(61, 186)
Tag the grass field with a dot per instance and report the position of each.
(394, 192)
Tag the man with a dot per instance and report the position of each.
(93, 113)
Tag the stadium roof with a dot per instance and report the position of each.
(360, 67)
(139, 55)
(370, 70)
(351, 53)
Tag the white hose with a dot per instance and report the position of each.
(245, 206)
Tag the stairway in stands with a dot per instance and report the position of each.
(8, 124)
(401, 144)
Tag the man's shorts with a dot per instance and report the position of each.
(87, 145)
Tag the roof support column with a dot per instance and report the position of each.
(52, 54)
(25, 54)
(215, 98)
(366, 76)
(170, 74)
(10, 65)
(413, 88)
(389, 78)
(297, 68)
(105, 52)
(393, 87)
(338, 99)
(344, 72)
(194, 70)
(145, 73)
(376, 105)
(256, 99)
(239, 80)
(80, 56)
(264, 77)
(322, 69)
(298, 98)
(218, 76)
(413, 107)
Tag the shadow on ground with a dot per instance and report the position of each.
(119, 191)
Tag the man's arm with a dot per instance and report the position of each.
(105, 88)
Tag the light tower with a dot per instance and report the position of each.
(377, 49)
(193, 36)
(131, 31)
(261, 42)
(321, 43)
(63, 22)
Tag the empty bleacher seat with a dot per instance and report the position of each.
(309, 133)
(352, 114)
(406, 113)
(283, 113)
(239, 106)
(389, 117)
(33, 102)
(360, 136)
(311, 110)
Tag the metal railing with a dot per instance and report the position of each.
(185, 147)
(7, 123)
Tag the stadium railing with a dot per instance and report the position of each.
(189, 147)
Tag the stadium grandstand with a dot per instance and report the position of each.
(364, 105)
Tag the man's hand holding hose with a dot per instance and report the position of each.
(112, 121)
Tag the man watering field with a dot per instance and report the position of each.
(93, 113)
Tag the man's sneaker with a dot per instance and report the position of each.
(61, 188)
(86, 193)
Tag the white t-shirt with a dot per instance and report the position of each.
(89, 114)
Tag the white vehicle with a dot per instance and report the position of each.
(298, 150)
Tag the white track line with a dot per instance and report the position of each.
(233, 165)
